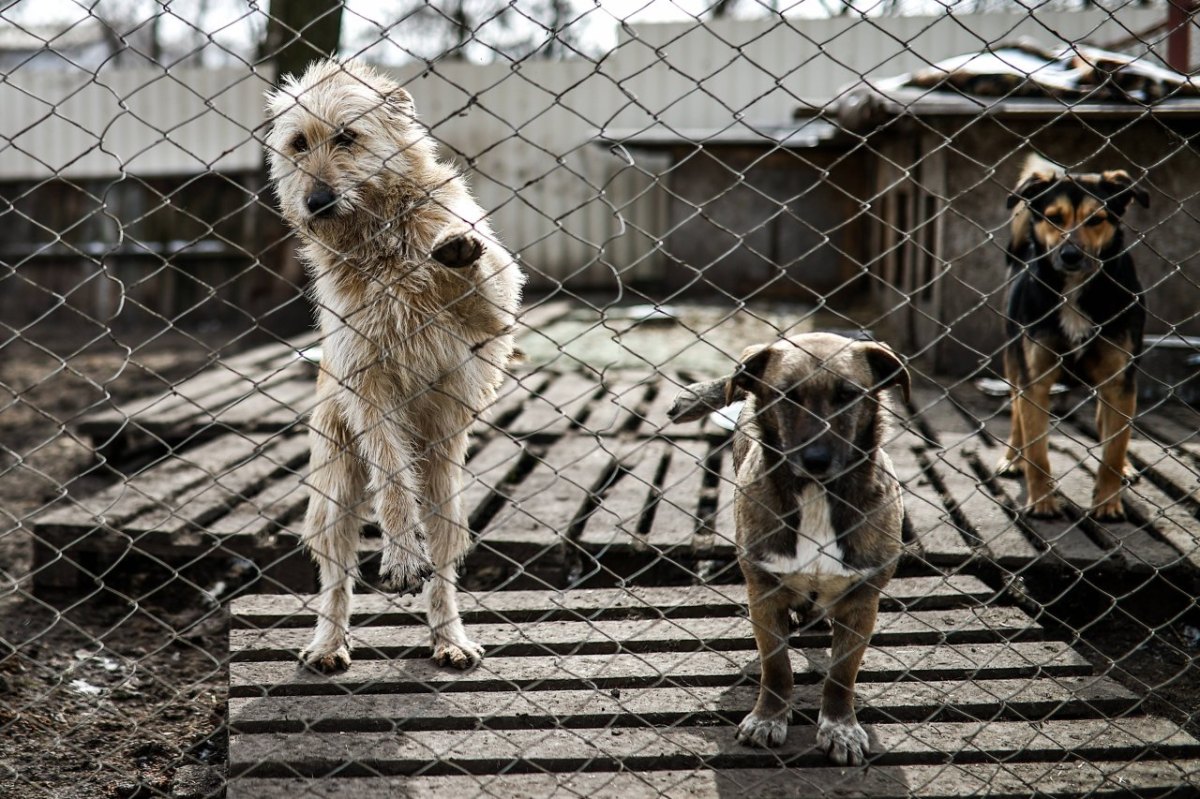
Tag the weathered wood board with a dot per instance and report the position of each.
(553, 501)
(637, 692)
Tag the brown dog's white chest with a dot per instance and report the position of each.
(817, 552)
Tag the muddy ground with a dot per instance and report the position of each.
(108, 695)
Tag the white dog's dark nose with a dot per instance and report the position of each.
(321, 201)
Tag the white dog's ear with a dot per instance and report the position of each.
(277, 101)
(399, 101)
(283, 96)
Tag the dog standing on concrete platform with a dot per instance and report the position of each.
(416, 299)
(818, 512)
(1075, 305)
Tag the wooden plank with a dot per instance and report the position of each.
(269, 511)
(940, 541)
(486, 472)
(1002, 780)
(986, 518)
(720, 528)
(159, 483)
(557, 408)
(537, 518)
(1169, 466)
(924, 701)
(650, 749)
(1172, 518)
(626, 502)
(615, 411)
(515, 390)
(195, 507)
(182, 419)
(973, 625)
(1175, 425)
(1136, 546)
(192, 391)
(225, 383)
(1040, 659)
(990, 416)
(906, 593)
(1063, 541)
(934, 412)
(676, 514)
(534, 315)
(274, 407)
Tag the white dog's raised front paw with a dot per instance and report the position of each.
(465, 249)
(756, 730)
(462, 655)
(326, 659)
(845, 742)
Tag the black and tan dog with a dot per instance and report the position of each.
(1075, 310)
(818, 512)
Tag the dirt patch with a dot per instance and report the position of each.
(110, 694)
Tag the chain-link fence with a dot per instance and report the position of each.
(194, 478)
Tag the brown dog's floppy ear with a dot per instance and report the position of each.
(747, 377)
(1028, 190)
(886, 368)
(1120, 190)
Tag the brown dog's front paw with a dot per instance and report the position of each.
(459, 251)
(757, 730)
(326, 662)
(1007, 467)
(845, 742)
(464, 655)
(1048, 507)
(1111, 511)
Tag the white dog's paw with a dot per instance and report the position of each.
(845, 742)
(326, 660)
(462, 655)
(765, 732)
(459, 251)
(405, 569)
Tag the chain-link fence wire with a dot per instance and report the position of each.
(676, 183)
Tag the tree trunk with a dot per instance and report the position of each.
(300, 32)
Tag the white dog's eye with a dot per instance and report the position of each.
(344, 138)
(300, 144)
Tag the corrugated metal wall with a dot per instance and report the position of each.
(574, 210)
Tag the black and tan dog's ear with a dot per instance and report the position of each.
(1120, 190)
(748, 375)
(886, 368)
(1029, 189)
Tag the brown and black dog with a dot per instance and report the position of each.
(818, 512)
(1075, 310)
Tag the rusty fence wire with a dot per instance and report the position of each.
(251, 327)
